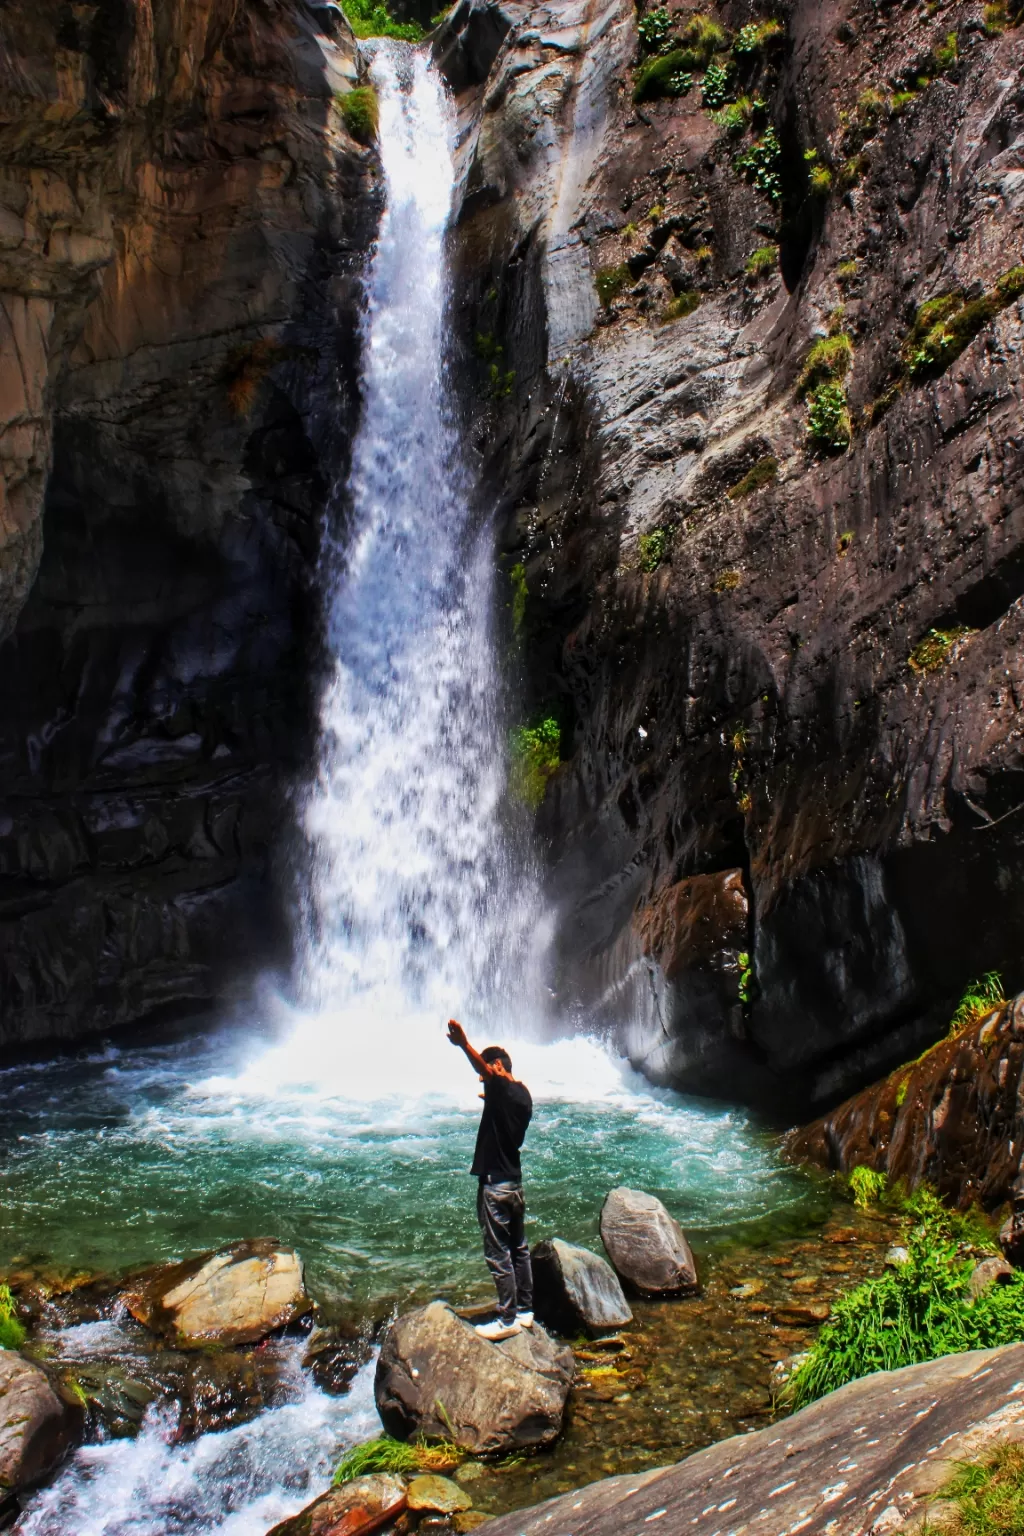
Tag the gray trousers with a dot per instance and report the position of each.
(500, 1209)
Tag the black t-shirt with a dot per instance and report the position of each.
(508, 1108)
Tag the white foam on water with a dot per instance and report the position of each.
(236, 1483)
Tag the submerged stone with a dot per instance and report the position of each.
(437, 1493)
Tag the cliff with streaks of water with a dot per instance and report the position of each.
(182, 223)
(754, 433)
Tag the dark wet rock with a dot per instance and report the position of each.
(1011, 1239)
(236, 1295)
(646, 1245)
(357, 1508)
(40, 1422)
(988, 1273)
(437, 1377)
(333, 1355)
(954, 1117)
(575, 1289)
(438, 1494)
(867, 1458)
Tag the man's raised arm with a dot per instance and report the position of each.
(457, 1036)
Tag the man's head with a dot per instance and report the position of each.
(497, 1055)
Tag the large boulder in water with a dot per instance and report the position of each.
(236, 1295)
(574, 1288)
(646, 1244)
(361, 1506)
(437, 1376)
(39, 1423)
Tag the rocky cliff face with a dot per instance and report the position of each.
(182, 222)
(754, 438)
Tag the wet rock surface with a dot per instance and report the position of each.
(869, 1457)
(39, 1423)
(356, 1509)
(237, 1295)
(575, 1289)
(952, 1117)
(646, 1245)
(495, 1397)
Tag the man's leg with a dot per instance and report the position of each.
(522, 1269)
(493, 1212)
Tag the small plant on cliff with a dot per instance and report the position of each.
(654, 29)
(980, 998)
(682, 305)
(610, 281)
(715, 90)
(12, 1334)
(536, 753)
(866, 1186)
(654, 548)
(762, 473)
(986, 1497)
(746, 985)
(918, 1311)
(757, 37)
(828, 418)
(761, 164)
(361, 113)
(765, 259)
(936, 648)
(704, 37)
(829, 358)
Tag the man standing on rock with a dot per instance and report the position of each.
(500, 1206)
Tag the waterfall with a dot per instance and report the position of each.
(415, 909)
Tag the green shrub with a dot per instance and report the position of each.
(764, 259)
(758, 37)
(12, 1334)
(361, 112)
(996, 18)
(933, 651)
(763, 473)
(829, 358)
(871, 108)
(866, 1186)
(654, 548)
(828, 418)
(654, 28)
(1011, 285)
(682, 305)
(704, 38)
(846, 271)
(536, 753)
(979, 999)
(500, 381)
(852, 170)
(734, 117)
(820, 181)
(746, 987)
(610, 282)
(667, 75)
(946, 54)
(762, 165)
(716, 87)
(371, 18)
(918, 1311)
(900, 101)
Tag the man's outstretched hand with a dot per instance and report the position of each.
(456, 1034)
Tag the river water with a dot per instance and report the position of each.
(337, 1117)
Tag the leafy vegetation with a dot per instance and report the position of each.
(654, 548)
(820, 181)
(387, 1455)
(758, 37)
(683, 304)
(828, 359)
(762, 165)
(704, 37)
(715, 90)
(12, 1334)
(934, 650)
(920, 1310)
(610, 281)
(866, 1187)
(828, 418)
(361, 113)
(654, 29)
(987, 1495)
(979, 999)
(726, 581)
(762, 473)
(371, 18)
(764, 259)
(666, 75)
(746, 985)
(536, 753)
(500, 381)
(520, 593)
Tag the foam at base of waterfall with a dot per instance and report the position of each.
(239, 1482)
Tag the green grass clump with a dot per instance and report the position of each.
(361, 112)
(979, 999)
(758, 37)
(667, 75)
(536, 753)
(734, 117)
(1011, 285)
(704, 37)
(900, 101)
(820, 181)
(682, 305)
(946, 54)
(764, 259)
(987, 1496)
(828, 418)
(828, 359)
(763, 473)
(12, 1334)
(610, 281)
(918, 1311)
(933, 651)
(996, 18)
(654, 548)
(371, 18)
(867, 1187)
(387, 1455)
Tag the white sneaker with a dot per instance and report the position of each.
(498, 1330)
(524, 1319)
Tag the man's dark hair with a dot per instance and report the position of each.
(497, 1053)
